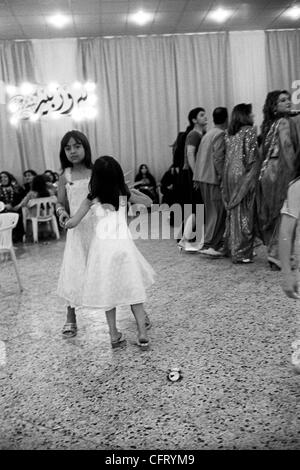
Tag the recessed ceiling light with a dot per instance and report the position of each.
(58, 20)
(220, 15)
(141, 17)
(293, 12)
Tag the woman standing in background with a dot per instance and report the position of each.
(239, 183)
(279, 144)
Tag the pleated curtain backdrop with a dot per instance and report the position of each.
(55, 62)
(20, 147)
(282, 59)
(248, 68)
(145, 86)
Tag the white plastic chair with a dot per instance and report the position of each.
(8, 221)
(45, 212)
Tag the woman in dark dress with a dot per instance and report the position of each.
(145, 182)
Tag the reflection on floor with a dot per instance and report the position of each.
(227, 327)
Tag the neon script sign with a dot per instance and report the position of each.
(35, 102)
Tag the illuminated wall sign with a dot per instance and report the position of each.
(34, 102)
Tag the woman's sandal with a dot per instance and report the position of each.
(69, 330)
(121, 341)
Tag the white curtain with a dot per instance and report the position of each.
(248, 69)
(283, 59)
(136, 86)
(20, 147)
(55, 61)
(146, 87)
(202, 73)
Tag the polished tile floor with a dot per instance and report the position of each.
(227, 327)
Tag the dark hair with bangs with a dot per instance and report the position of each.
(79, 138)
(240, 117)
(107, 182)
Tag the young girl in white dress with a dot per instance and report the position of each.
(76, 163)
(116, 272)
(289, 243)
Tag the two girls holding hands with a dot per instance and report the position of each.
(102, 268)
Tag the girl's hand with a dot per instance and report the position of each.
(63, 217)
(290, 286)
(70, 224)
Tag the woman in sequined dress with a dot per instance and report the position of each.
(279, 145)
(239, 183)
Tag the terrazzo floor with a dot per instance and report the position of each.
(227, 327)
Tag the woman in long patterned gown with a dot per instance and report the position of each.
(279, 146)
(239, 184)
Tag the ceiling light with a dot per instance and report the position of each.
(293, 12)
(58, 20)
(141, 17)
(220, 15)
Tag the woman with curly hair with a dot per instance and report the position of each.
(279, 145)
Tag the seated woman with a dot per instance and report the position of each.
(146, 183)
(51, 181)
(39, 189)
(28, 176)
(10, 195)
